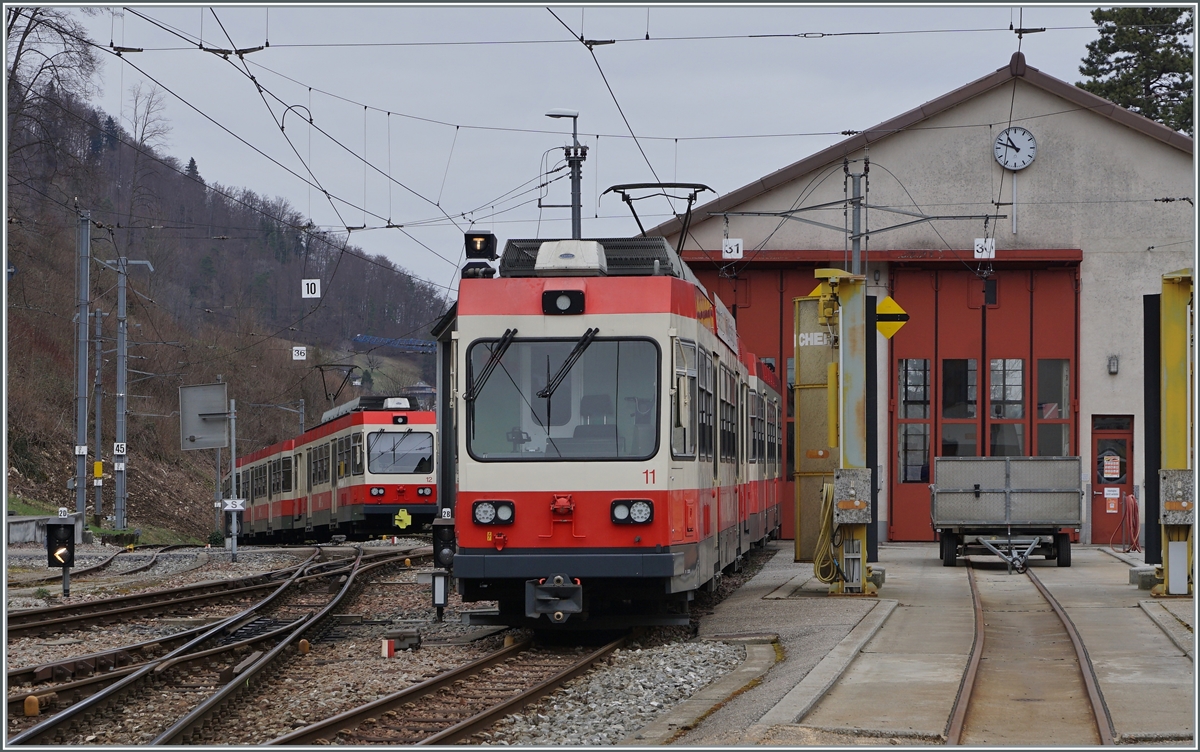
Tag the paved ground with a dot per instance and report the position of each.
(913, 642)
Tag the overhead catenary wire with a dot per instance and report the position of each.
(304, 229)
(646, 38)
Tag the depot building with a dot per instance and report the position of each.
(1030, 345)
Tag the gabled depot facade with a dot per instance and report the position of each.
(1037, 351)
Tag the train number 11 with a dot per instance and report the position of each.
(649, 475)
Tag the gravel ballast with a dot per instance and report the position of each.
(616, 699)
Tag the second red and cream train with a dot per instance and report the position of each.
(368, 469)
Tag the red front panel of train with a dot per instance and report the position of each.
(579, 519)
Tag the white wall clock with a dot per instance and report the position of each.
(1015, 148)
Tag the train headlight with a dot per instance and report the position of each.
(483, 512)
(424, 491)
(492, 512)
(632, 511)
(377, 491)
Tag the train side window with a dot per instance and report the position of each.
(285, 475)
(343, 468)
(683, 406)
(356, 454)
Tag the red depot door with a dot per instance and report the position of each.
(1112, 476)
(912, 406)
(985, 367)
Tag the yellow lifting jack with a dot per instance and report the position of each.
(833, 482)
(1177, 502)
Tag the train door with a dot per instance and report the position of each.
(305, 502)
(297, 491)
(1112, 478)
(333, 481)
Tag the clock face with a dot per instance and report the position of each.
(1015, 148)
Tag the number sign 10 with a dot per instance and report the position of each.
(310, 288)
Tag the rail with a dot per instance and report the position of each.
(343, 727)
(958, 716)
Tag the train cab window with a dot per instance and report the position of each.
(683, 406)
(588, 398)
(356, 454)
(400, 452)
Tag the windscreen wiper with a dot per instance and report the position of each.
(485, 372)
(567, 364)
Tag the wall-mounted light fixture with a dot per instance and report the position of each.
(1114, 364)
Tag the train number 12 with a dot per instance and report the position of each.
(649, 475)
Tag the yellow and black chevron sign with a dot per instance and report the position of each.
(889, 317)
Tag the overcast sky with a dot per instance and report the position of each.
(752, 90)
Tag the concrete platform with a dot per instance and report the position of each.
(848, 660)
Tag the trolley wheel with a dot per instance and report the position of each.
(1062, 544)
(949, 549)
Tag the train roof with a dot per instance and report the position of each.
(370, 402)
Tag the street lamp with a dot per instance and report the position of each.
(575, 155)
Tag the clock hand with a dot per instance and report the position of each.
(1011, 145)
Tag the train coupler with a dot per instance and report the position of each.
(557, 596)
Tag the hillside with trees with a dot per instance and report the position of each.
(222, 302)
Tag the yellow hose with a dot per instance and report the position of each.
(824, 566)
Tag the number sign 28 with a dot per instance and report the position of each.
(310, 288)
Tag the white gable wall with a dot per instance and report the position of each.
(1091, 188)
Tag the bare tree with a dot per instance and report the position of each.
(149, 128)
(44, 48)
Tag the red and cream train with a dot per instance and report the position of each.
(367, 469)
(616, 447)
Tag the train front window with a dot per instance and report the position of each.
(400, 452)
(605, 405)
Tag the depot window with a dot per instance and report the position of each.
(549, 400)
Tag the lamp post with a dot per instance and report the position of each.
(575, 155)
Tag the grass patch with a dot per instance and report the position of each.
(150, 535)
(30, 507)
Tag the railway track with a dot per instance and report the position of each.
(56, 619)
(97, 568)
(452, 706)
(1030, 682)
(214, 662)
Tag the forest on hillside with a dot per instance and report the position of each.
(222, 301)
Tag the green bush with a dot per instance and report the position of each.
(216, 538)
